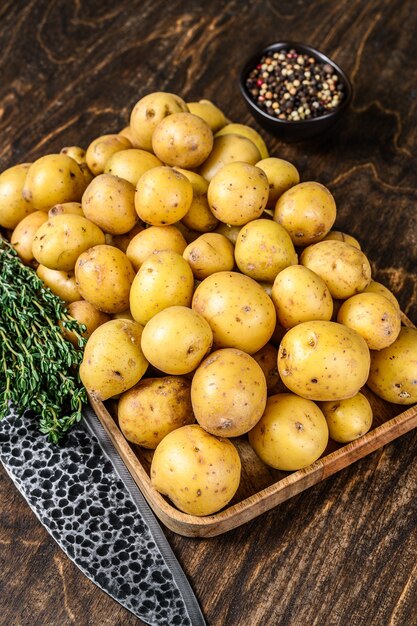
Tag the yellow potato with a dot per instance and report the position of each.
(13, 206)
(109, 202)
(228, 393)
(231, 232)
(281, 174)
(149, 111)
(58, 243)
(291, 434)
(163, 196)
(238, 193)
(227, 149)
(263, 249)
(348, 419)
(104, 275)
(267, 357)
(300, 295)
(203, 477)
(344, 269)
(61, 283)
(376, 287)
(22, 236)
(199, 216)
(176, 339)
(153, 408)
(307, 211)
(87, 314)
(130, 164)
(208, 112)
(393, 370)
(182, 139)
(164, 279)
(240, 313)
(75, 152)
(102, 148)
(113, 360)
(154, 239)
(323, 361)
(122, 241)
(246, 131)
(74, 208)
(209, 253)
(337, 235)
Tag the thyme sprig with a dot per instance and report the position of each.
(39, 366)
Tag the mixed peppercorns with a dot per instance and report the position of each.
(294, 86)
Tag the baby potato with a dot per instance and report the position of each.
(291, 434)
(113, 360)
(153, 408)
(109, 202)
(74, 208)
(75, 152)
(24, 233)
(240, 313)
(228, 149)
(163, 196)
(130, 164)
(246, 131)
(52, 179)
(104, 275)
(263, 249)
(373, 316)
(182, 139)
(61, 239)
(154, 239)
(149, 111)
(176, 339)
(344, 269)
(323, 361)
(393, 369)
(376, 287)
(209, 253)
(348, 419)
(62, 284)
(307, 211)
(198, 472)
(337, 235)
(164, 279)
(228, 393)
(13, 206)
(238, 193)
(122, 241)
(231, 232)
(87, 314)
(199, 216)
(300, 295)
(209, 112)
(281, 174)
(267, 357)
(102, 148)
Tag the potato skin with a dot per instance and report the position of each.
(149, 111)
(243, 130)
(24, 233)
(109, 202)
(102, 148)
(376, 287)
(13, 206)
(87, 314)
(322, 360)
(281, 174)
(130, 164)
(348, 419)
(182, 139)
(62, 284)
(153, 408)
(198, 472)
(209, 253)
(227, 149)
(154, 239)
(163, 196)
(209, 112)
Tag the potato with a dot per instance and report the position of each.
(291, 434)
(52, 179)
(22, 236)
(348, 419)
(323, 361)
(344, 269)
(246, 131)
(163, 196)
(199, 216)
(13, 206)
(198, 472)
(130, 164)
(238, 310)
(74, 208)
(58, 243)
(182, 139)
(238, 193)
(75, 152)
(127, 132)
(113, 360)
(164, 279)
(307, 211)
(300, 295)
(176, 339)
(231, 232)
(102, 148)
(149, 111)
(208, 112)
(209, 253)
(263, 249)
(376, 287)
(281, 175)
(393, 370)
(87, 314)
(337, 235)
(228, 393)
(62, 284)
(154, 239)
(122, 241)
(153, 408)
(373, 316)
(109, 202)
(104, 275)
(227, 149)
(267, 357)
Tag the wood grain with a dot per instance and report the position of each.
(343, 552)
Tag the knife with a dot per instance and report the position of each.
(86, 499)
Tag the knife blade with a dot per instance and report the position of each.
(86, 499)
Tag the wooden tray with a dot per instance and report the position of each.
(261, 487)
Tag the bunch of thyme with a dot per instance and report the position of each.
(39, 367)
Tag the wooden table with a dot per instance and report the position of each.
(344, 552)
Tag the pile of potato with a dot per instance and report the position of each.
(218, 302)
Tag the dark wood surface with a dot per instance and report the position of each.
(344, 552)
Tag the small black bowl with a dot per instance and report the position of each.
(289, 130)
